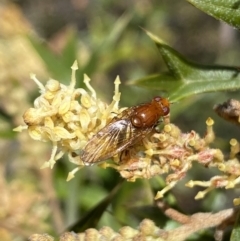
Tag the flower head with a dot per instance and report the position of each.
(68, 117)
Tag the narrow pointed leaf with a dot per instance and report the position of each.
(92, 217)
(70, 50)
(226, 10)
(186, 78)
(55, 64)
(108, 44)
(164, 81)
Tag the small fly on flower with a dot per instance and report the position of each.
(124, 130)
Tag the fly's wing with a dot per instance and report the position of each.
(112, 139)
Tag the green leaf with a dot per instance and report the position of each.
(92, 217)
(164, 81)
(120, 206)
(107, 44)
(186, 78)
(235, 235)
(70, 50)
(226, 10)
(55, 64)
(59, 65)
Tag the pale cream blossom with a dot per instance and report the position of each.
(68, 117)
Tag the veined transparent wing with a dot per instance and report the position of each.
(115, 137)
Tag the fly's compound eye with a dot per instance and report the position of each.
(166, 110)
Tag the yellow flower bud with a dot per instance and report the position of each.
(84, 119)
(32, 117)
(65, 105)
(63, 133)
(35, 133)
(52, 85)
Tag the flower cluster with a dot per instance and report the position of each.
(170, 152)
(69, 117)
(147, 230)
(230, 178)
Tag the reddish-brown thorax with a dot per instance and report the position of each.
(147, 115)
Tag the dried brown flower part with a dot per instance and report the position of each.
(229, 110)
(198, 221)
